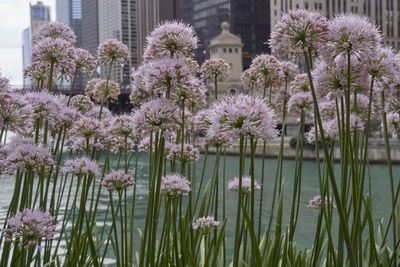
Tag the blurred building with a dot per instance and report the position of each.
(40, 14)
(228, 47)
(26, 53)
(70, 13)
(249, 19)
(386, 13)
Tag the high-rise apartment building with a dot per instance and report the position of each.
(386, 13)
(249, 19)
(70, 13)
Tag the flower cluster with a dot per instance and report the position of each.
(316, 203)
(102, 90)
(170, 39)
(249, 79)
(157, 115)
(242, 115)
(215, 69)
(268, 71)
(80, 167)
(205, 224)
(139, 92)
(85, 134)
(84, 61)
(81, 103)
(54, 30)
(28, 227)
(15, 113)
(112, 51)
(393, 122)
(189, 153)
(246, 185)
(297, 32)
(117, 180)
(173, 185)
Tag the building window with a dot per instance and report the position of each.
(232, 92)
(275, 13)
(297, 6)
(315, 6)
(236, 50)
(306, 5)
(224, 50)
(230, 50)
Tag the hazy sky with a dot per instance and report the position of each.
(14, 17)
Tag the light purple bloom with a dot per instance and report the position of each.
(189, 154)
(215, 69)
(170, 39)
(81, 103)
(289, 69)
(112, 51)
(4, 84)
(80, 167)
(117, 180)
(84, 61)
(243, 115)
(393, 122)
(56, 51)
(205, 224)
(173, 185)
(28, 227)
(54, 30)
(267, 70)
(139, 91)
(298, 31)
(249, 79)
(101, 91)
(15, 113)
(157, 115)
(316, 203)
(300, 101)
(246, 185)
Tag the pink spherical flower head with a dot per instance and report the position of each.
(173, 185)
(215, 69)
(205, 225)
(112, 51)
(117, 180)
(28, 227)
(80, 167)
(246, 185)
(54, 30)
(316, 203)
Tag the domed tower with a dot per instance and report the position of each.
(228, 47)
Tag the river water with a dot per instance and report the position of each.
(304, 236)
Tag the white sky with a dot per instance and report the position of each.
(14, 18)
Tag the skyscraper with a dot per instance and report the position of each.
(26, 53)
(386, 13)
(40, 14)
(249, 19)
(70, 12)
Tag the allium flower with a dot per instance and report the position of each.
(45, 106)
(56, 51)
(205, 224)
(249, 79)
(289, 69)
(101, 91)
(166, 76)
(393, 122)
(84, 61)
(86, 127)
(80, 167)
(15, 113)
(54, 30)
(173, 185)
(192, 65)
(298, 31)
(267, 70)
(331, 132)
(246, 185)
(316, 203)
(139, 92)
(218, 139)
(300, 83)
(38, 72)
(327, 110)
(81, 103)
(190, 153)
(28, 157)
(4, 84)
(331, 80)
(122, 125)
(170, 39)
(351, 33)
(215, 69)
(112, 51)
(117, 180)
(243, 115)
(28, 227)
(106, 115)
(157, 115)
(300, 101)
(281, 96)
(191, 94)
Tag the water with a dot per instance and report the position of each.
(304, 236)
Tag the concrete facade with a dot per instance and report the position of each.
(228, 47)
